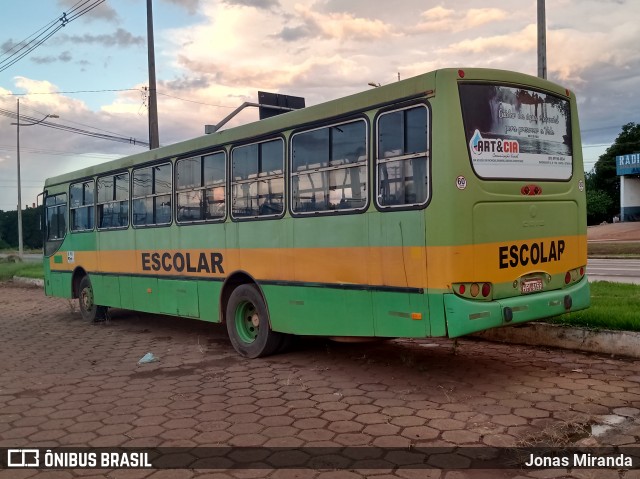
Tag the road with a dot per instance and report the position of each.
(618, 270)
(26, 257)
(68, 383)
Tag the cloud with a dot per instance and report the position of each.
(440, 19)
(261, 4)
(120, 38)
(191, 6)
(519, 41)
(342, 25)
(64, 57)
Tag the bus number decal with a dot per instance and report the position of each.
(182, 262)
(511, 256)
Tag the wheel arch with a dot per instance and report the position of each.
(235, 279)
(76, 277)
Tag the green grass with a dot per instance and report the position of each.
(28, 270)
(613, 306)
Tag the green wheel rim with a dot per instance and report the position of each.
(86, 297)
(247, 322)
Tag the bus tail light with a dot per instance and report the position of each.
(574, 275)
(479, 290)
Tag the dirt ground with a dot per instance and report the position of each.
(614, 232)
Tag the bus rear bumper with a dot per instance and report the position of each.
(466, 316)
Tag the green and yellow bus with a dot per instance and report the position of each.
(440, 205)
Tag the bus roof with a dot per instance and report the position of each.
(411, 87)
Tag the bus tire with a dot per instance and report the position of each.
(88, 309)
(248, 326)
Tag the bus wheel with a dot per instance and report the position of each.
(248, 323)
(88, 309)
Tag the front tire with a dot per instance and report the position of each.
(88, 309)
(248, 325)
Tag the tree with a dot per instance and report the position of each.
(604, 181)
(31, 232)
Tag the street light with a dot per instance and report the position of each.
(18, 125)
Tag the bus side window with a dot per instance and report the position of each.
(257, 180)
(55, 222)
(152, 195)
(81, 206)
(113, 201)
(201, 188)
(329, 169)
(402, 161)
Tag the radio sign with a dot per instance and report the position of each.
(628, 164)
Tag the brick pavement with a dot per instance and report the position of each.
(64, 382)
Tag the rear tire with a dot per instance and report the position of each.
(88, 309)
(248, 325)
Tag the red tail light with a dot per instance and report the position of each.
(486, 289)
(567, 277)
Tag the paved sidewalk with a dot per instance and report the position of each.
(64, 382)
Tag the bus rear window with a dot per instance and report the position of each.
(517, 133)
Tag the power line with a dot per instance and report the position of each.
(70, 92)
(193, 101)
(36, 39)
(71, 129)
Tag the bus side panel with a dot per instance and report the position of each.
(208, 300)
(126, 292)
(392, 312)
(59, 284)
(319, 310)
(179, 298)
(145, 294)
(437, 319)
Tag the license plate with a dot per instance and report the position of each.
(531, 285)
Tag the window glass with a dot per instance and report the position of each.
(517, 133)
(162, 179)
(152, 195)
(77, 195)
(271, 158)
(329, 171)
(113, 201)
(81, 206)
(105, 189)
(188, 173)
(214, 168)
(142, 182)
(258, 182)
(202, 196)
(348, 143)
(310, 149)
(403, 157)
(245, 162)
(55, 222)
(121, 183)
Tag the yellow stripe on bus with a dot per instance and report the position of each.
(434, 266)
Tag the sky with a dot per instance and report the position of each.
(212, 55)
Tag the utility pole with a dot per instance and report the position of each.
(542, 40)
(20, 247)
(154, 139)
(18, 125)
